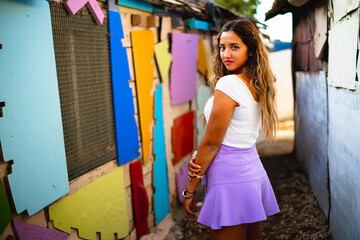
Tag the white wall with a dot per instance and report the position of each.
(281, 64)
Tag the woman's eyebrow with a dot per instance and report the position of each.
(231, 44)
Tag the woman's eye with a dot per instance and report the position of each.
(234, 47)
(222, 48)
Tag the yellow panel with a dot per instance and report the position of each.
(98, 207)
(143, 53)
(204, 54)
(163, 59)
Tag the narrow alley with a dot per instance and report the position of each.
(102, 104)
(300, 216)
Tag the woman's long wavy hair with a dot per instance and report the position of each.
(256, 70)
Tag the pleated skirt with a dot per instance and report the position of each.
(237, 189)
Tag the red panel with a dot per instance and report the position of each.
(140, 199)
(183, 135)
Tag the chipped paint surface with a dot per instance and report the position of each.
(343, 45)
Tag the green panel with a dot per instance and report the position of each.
(5, 215)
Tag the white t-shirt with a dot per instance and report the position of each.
(245, 121)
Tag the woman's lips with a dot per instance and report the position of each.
(228, 62)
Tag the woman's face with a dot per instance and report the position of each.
(233, 52)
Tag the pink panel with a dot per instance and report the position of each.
(184, 66)
(96, 11)
(75, 5)
(26, 231)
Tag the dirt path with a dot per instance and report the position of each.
(300, 216)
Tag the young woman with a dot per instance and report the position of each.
(238, 194)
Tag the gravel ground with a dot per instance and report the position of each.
(300, 216)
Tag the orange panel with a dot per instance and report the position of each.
(143, 52)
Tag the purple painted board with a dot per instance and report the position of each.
(182, 180)
(75, 5)
(26, 231)
(184, 66)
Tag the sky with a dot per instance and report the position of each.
(279, 27)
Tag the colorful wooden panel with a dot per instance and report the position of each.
(198, 24)
(183, 135)
(183, 68)
(163, 59)
(31, 128)
(161, 195)
(26, 231)
(75, 5)
(6, 214)
(144, 21)
(182, 181)
(140, 199)
(345, 55)
(137, 4)
(127, 136)
(204, 55)
(143, 52)
(100, 207)
(203, 94)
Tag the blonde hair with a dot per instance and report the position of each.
(256, 70)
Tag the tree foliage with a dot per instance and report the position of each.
(245, 7)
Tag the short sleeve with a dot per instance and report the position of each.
(231, 86)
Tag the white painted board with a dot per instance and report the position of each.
(343, 38)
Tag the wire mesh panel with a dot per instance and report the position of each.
(83, 69)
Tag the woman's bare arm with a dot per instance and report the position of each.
(220, 117)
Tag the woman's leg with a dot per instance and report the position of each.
(254, 231)
(237, 232)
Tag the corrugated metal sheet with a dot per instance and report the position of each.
(320, 35)
(303, 42)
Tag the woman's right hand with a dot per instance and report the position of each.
(193, 169)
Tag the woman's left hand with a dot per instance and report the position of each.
(186, 204)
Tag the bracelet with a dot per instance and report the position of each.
(190, 192)
(191, 196)
(198, 176)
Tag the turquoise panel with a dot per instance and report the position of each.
(137, 4)
(31, 127)
(198, 24)
(161, 195)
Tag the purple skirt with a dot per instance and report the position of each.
(237, 190)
